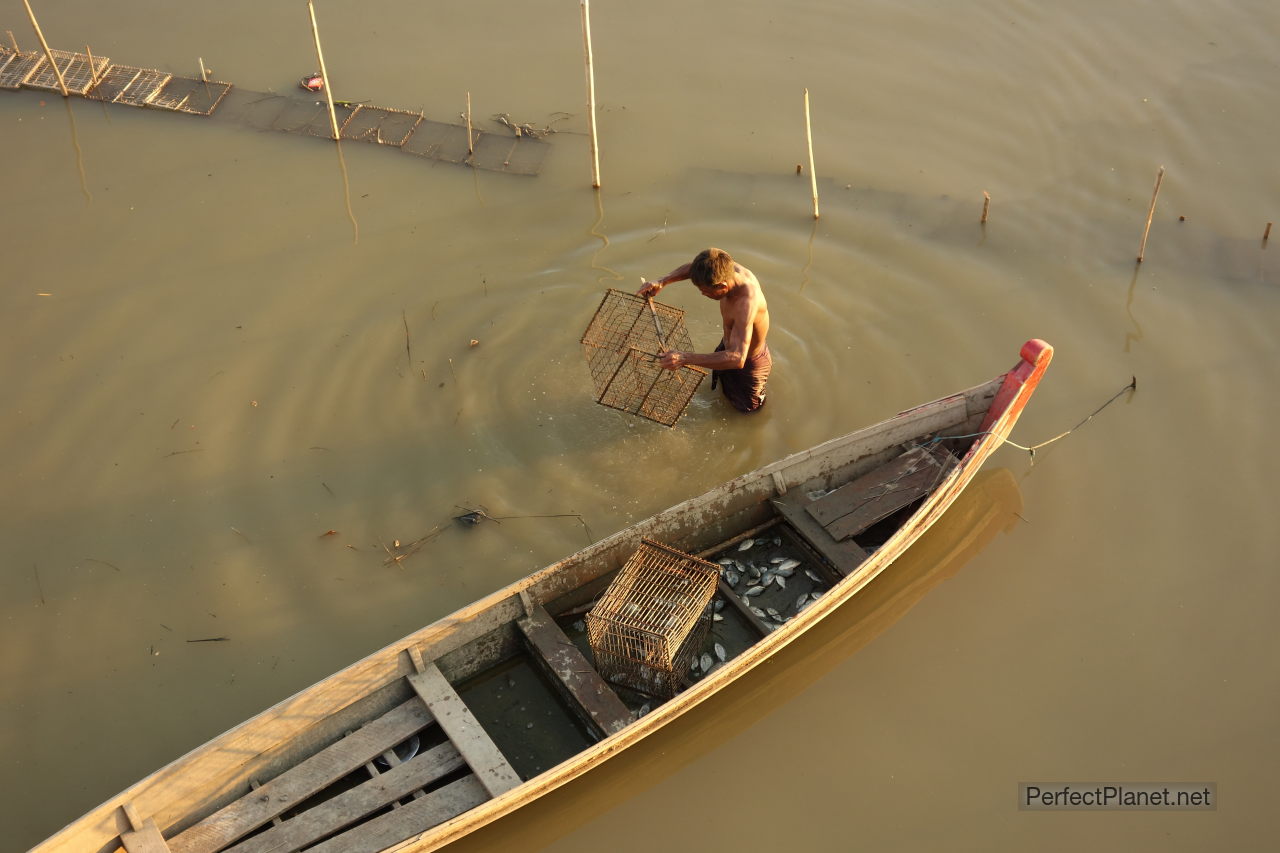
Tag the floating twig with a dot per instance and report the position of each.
(211, 640)
(330, 532)
(986, 205)
(327, 489)
(1266, 233)
(180, 452)
(407, 351)
(1151, 212)
(241, 535)
(103, 562)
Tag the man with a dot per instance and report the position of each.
(742, 361)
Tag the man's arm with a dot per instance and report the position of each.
(734, 354)
(651, 288)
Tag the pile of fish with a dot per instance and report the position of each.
(764, 577)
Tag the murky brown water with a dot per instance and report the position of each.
(218, 376)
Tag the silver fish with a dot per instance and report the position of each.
(731, 577)
(775, 615)
(725, 561)
(705, 660)
(781, 581)
(745, 544)
(800, 602)
(716, 617)
(721, 653)
(755, 590)
(812, 575)
(717, 605)
(757, 611)
(788, 564)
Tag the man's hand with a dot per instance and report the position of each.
(649, 288)
(673, 360)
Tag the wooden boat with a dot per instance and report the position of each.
(485, 710)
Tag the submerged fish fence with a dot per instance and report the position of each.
(98, 78)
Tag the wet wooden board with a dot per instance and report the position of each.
(350, 806)
(306, 778)
(744, 610)
(386, 830)
(584, 686)
(844, 556)
(857, 505)
(462, 727)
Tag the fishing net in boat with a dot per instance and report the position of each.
(622, 346)
(646, 628)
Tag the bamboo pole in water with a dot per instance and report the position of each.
(62, 84)
(1151, 212)
(1266, 233)
(324, 75)
(813, 176)
(13, 41)
(986, 205)
(591, 94)
(93, 67)
(204, 73)
(470, 147)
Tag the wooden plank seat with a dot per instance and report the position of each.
(858, 504)
(843, 555)
(390, 829)
(469, 737)
(579, 681)
(350, 806)
(310, 776)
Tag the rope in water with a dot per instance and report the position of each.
(1132, 386)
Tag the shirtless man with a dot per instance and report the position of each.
(742, 361)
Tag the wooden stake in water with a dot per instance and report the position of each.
(13, 41)
(204, 72)
(986, 205)
(324, 75)
(62, 84)
(1266, 233)
(470, 147)
(813, 175)
(1151, 212)
(93, 67)
(591, 95)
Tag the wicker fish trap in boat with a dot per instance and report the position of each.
(623, 344)
(646, 628)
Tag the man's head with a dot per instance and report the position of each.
(712, 272)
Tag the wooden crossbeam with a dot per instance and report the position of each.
(144, 837)
(579, 681)
(353, 805)
(462, 727)
(844, 556)
(327, 766)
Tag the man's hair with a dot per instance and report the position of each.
(711, 266)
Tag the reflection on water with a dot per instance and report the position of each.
(163, 274)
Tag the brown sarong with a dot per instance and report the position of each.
(743, 387)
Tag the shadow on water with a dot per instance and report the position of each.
(989, 506)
